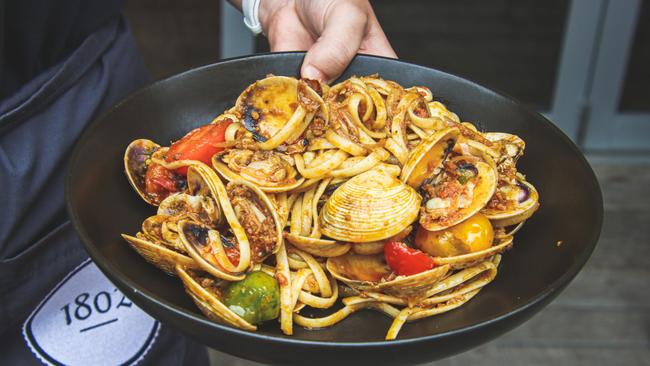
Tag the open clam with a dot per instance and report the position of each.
(270, 170)
(462, 188)
(200, 208)
(137, 160)
(207, 294)
(159, 244)
(249, 215)
(370, 273)
(510, 149)
(453, 188)
(278, 109)
(500, 245)
(512, 203)
(428, 156)
(510, 146)
(200, 200)
(371, 206)
(209, 249)
(163, 229)
(258, 217)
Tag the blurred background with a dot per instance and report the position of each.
(582, 63)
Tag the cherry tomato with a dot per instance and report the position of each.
(159, 181)
(232, 254)
(198, 144)
(406, 261)
(472, 235)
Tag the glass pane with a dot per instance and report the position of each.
(636, 90)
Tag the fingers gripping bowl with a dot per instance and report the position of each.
(489, 308)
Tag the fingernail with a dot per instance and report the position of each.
(311, 72)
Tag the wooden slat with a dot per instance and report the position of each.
(544, 356)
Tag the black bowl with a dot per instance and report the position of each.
(103, 205)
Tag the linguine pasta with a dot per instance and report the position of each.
(367, 193)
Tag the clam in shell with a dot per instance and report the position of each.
(137, 159)
(249, 215)
(270, 170)
(159, 255)
(512, 203)
(208, 248)
(510, 146)
(453, 189)
(200, 208)
(370, 273)
(466, 260)
(427, 156)
(462, 188)
(207, 293)
(278, 109)
(159, 244)
(370, 206)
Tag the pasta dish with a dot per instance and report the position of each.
(361, 195)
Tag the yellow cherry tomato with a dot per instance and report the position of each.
(472, 235)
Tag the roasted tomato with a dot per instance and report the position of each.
(471, 235)
(160, 182)
(199, 144)
(405, 261)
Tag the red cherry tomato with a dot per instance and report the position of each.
(198, 144)
(159, 181)
(406, 261)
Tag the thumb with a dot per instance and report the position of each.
(340, 40)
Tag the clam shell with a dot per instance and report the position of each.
(511, 146)
(202, 208)
(162, 229)
(197, 239)
(428, 155)
(366, 273)
(467, 260)
(485, 185)
(258, 254)
(248, 254)
(158, 255)
(268, 104)
(370, 206)
(209, 302)
(278, 109)
(521, 212)
(293, 179)
(136, 161)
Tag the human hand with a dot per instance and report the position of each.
(331, 31)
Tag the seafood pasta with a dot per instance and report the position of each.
(302, 195)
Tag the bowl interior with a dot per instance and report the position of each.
(103, 205)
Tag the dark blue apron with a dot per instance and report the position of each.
(40, 253)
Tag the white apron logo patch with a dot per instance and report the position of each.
(85, 320)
